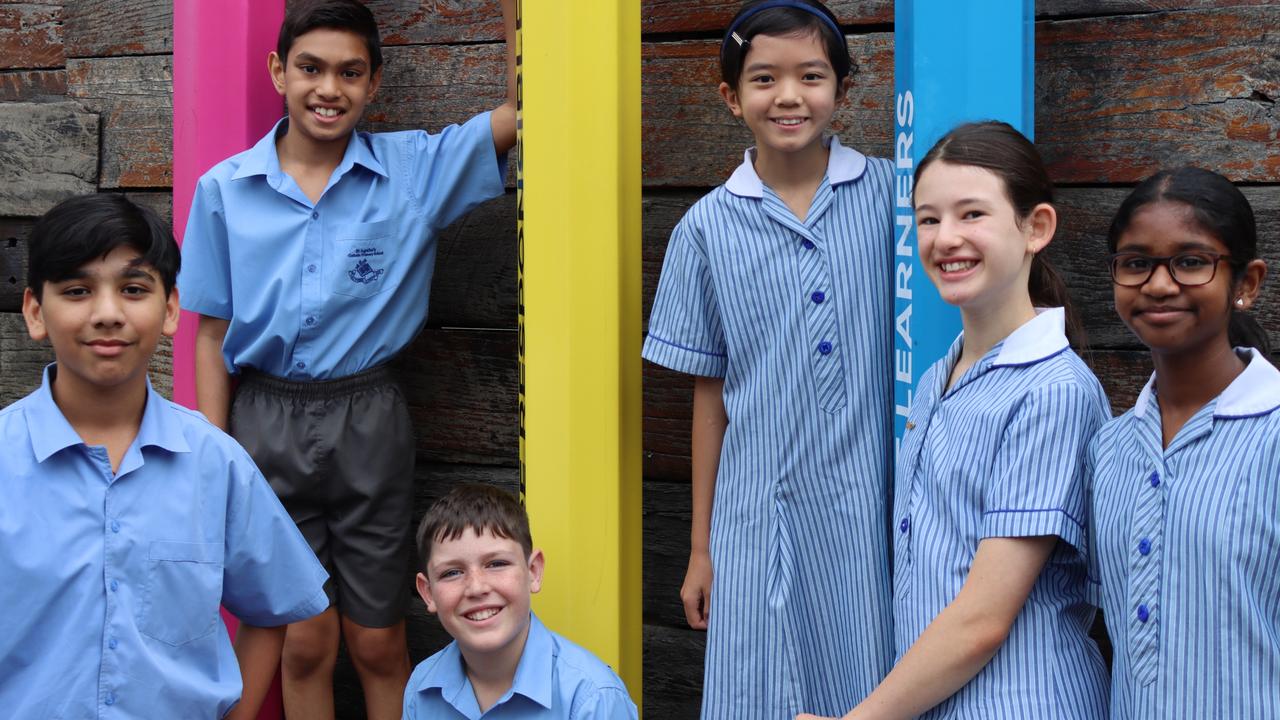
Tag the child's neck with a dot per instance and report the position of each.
(492, 674)
(1187, 381)
(308, 162)
(107, 417)
(983, 328)
(795, 176)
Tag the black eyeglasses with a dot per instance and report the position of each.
(1188, 269)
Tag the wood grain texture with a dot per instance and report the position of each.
(33, 85)
(1059, 8)
(134, 96)
(48, 152)
(437, 21)
(429, 87)
(1202, 93)
(683, 16)
(111, 28)
(673, 672)
(475, 279)
(31, 35)
(13, 262)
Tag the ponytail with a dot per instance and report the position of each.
(1047, 289)
(1244, 331)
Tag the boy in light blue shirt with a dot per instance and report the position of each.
(479, 570)
(128, 519)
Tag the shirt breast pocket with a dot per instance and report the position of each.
(183, 589)
(358, 259)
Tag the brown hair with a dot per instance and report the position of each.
(483, 508)
(1000, 149)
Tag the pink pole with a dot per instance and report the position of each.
(223, 102)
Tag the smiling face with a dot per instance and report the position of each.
(326, 82)
(480, 586)
(975, 249)
(787, 92)
(104, 322)
(1167, 317)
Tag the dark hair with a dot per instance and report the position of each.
(1220, 209)
(1000, 149)
(780, 21)
(483, 508)
(82, 229)
(304, 16)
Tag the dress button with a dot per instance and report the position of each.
(115, 526)
(311, 320)
(315, 216)
(110, 699)
(1143, 613)
(905, 525)
(1144, 546)
(114, 586)
(112, 643)
(824, 347)
(311, 268)
(807, 244)
(818, 296)
(300, 365)
(1155, 479)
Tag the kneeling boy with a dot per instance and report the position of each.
(479, 570)
(126, 518)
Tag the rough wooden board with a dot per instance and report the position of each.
(657, 16)
(429, 87)
(31, 35)
(107, 28)
(667, 508)
(33, 85)
(690, 139)
(475, 278)
(1078, 8)
(48, 152)
(13, 262)
(673, 672)
(437, 21)
(1203, 93)
(461, 389)
(134, 96)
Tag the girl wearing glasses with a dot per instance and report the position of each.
(990, 612)
(1185, 492)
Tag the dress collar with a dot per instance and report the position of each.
(1255, 391)
(843, 165)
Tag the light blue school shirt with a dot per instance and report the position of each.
(110, 583)
(797, 319)
(327, 289)
(1001, 455)
(1187, 545)
(555, 680)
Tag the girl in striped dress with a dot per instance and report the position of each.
(1186, 485)
(776, 294)
(990, 612)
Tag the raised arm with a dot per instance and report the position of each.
(503, 118)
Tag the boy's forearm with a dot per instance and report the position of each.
(258, 651)
(503, 118)
(213, 384)
(709, 424)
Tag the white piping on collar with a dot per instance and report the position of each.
(1255, 391)
(843, 164)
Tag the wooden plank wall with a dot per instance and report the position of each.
(1123, 87)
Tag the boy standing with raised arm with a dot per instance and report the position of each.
(309, 259)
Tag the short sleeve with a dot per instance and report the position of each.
(1037, 485)
(685, 331)
(606, 703)
(453, 171)
(270, 575)
(204, 284)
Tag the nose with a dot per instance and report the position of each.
(108, 310)
(328, 85)
(476, 584)
(787, 93)
(946, 235)
(1161, 282)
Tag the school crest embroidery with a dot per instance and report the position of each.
(364, 273)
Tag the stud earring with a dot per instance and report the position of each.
(1240, 302)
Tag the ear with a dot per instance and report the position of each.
(842, 90)
(536, 563)
(33, 315)
(172, 311)
(1246, 289)
(1039, 227)
(424, 592)
(730, 97)
(375, 82)
(275, 66)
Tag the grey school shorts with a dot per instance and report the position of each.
(339, 455)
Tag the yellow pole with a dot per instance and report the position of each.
(580, 318)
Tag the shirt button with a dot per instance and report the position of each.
(114, 586)
(315, 216)
(1144, 546)
(311, 320)
(110, 699)
(300, 365)
(112, 643)
(1144, 614)
(905, 525)
(115, 526)
(1155, 479)
(807, 244)
(818, 296)
(311, 268)
(824, 347)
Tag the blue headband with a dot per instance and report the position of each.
(731, 33)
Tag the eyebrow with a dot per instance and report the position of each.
(961, 201)
(820, 64)
(308, 58)
(1187, 246)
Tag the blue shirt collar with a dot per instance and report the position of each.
(533, 679)
(1256, 391)
(51, 433)
(843, 165)
(262, 158)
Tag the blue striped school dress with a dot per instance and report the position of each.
(1187, 545)
(1001, 454)
(796, 316)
